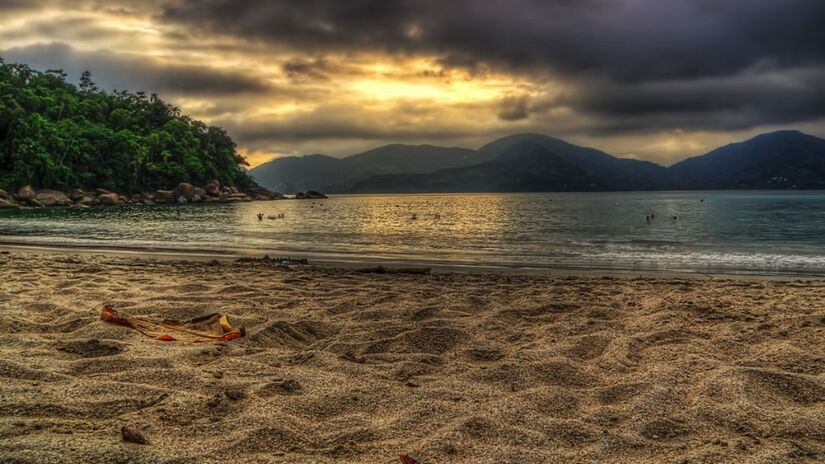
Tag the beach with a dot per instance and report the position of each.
(340, 365)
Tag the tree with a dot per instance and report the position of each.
(86, 83)
(56, 135)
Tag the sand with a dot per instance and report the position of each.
(341, 366)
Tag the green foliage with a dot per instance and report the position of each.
(55, 135)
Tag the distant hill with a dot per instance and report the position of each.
(338, 175)
(535, 162)
(778, 160)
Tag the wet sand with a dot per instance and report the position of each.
(343, 366)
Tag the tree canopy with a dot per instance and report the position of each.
(54, 134)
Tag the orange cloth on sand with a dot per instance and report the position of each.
(213, 327)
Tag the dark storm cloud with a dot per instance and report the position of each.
(620, 39)
(731, 103)
(123, 71)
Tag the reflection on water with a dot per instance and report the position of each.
(767, 231)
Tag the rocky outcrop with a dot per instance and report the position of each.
(52, 198)
(164, 196)
(26, 193)
(76, 195)
(8, 204)
(109, 199)
(310, 195)
(213, 188)
(184, 193)
(185, 190)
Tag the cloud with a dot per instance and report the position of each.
(133, 72)
(619, 39)
(513, 107)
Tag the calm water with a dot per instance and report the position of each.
(773, 232)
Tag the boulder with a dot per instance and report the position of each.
(315, 194)
(4, 195)
(213, 188)
(148, 196)
(185, 190)
(8, 204)
(196, 198)
(103, 191)
(200, 192)
(52, 198)
(136, 197)
(123, 199)
(34, 202)
(233, 189)
(26, 192)
(260, 193)
(87, 200)
(164, 196)
(300, 196)
(182, 200)
(76, 194)
(148, 202)
(109, 199)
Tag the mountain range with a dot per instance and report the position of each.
(540, 163)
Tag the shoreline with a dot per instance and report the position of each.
(341, 262)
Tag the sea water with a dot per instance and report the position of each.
(736, 231)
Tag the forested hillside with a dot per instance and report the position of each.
(56, 135)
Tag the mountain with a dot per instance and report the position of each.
(528, 163)
(777, 160)
(337, 175)
(535, 162)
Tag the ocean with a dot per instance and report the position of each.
(770, 232)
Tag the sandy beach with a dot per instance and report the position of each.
(344, 366)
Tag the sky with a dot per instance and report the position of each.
(658, 80)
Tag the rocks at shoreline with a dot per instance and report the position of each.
(212, 192)
(310, 195)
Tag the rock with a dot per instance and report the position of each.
(200, 192)
(133, 436)
(300, 195)
(4, 195)
(315, 194)
(109, 199)
(79, 206)
(103, 191)
(87, 200)
(148, 196)
(260, 193)
(196, 198)
(34, 202)
(26, 192)
(136, 197)
(52, 198)
(76, 194)
(213, 188)
(148, 202)
(8, 204)
(164, 196)
(122, 199)
(185, 190)
(182, 200)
